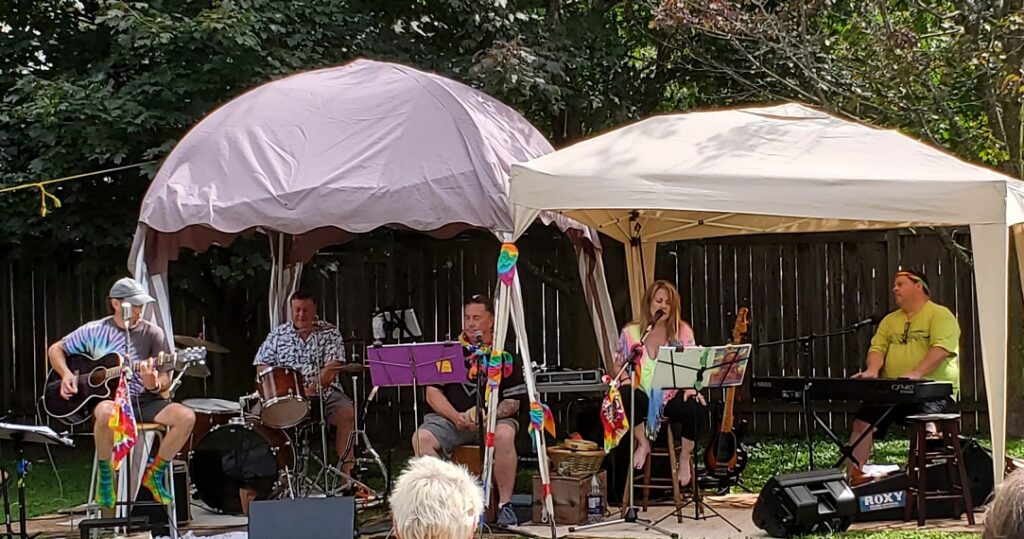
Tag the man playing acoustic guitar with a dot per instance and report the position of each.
(107, 335)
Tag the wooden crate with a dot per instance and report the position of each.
(569, 495)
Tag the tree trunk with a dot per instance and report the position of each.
(1015, 351)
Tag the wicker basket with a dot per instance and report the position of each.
(575, 463)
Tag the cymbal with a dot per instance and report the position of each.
(187, 340)
(199, 370)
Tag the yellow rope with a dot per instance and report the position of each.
(44, 194)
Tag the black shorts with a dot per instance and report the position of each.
(870, 413)
(147, 406)
(690, 414)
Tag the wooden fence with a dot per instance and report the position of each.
(793, 285)
(797, 285)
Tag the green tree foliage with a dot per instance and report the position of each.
(947, 71)
(94, 84)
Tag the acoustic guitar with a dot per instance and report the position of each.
(725, 457)
(97, 380)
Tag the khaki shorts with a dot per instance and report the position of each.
(449, 436)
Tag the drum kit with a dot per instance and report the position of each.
(263, 446)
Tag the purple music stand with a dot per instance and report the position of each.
(402, 365)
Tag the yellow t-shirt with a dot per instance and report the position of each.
(904, 343)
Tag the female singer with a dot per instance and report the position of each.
(684, 407)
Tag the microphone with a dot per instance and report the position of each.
(657, 316)
(479, 338)
(871, 320)
(126, 312)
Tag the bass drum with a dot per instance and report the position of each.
(210, 413)
(234, 458)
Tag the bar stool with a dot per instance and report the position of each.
(662, 483)
(948, 428)
(150, 436)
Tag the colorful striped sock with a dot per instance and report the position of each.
(105, 484)
(154, 480)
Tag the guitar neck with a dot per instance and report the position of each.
(110, 373)
(727, 415)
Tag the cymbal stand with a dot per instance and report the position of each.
(359, 438)
(334, 479)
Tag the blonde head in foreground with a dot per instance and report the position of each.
(434, 499)
(1005, 516)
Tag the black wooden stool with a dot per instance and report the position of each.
(948, 428)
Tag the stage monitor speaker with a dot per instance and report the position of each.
(978, 463)
(309, 518)
(804, 503)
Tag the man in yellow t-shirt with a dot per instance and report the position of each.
(919, 340)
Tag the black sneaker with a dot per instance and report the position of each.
(507, 516)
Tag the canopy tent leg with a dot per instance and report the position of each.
(991, 264)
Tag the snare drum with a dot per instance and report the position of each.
(282, 403)
(210, 413)
(240, 456)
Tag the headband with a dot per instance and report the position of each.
(916, 278)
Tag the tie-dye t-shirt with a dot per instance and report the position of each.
(630, 337)
(101, 337)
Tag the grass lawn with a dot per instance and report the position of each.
(768, 457)
(46, 491)
(771, 457)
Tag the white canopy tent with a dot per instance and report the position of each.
(779, 169)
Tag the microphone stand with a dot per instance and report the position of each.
(630, 514)
(481, 376)
(126, 318)
(806, 367)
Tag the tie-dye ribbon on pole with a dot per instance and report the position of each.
(541, 418)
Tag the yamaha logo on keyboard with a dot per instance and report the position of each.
(903, 388)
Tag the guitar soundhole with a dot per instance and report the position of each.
(97, 377)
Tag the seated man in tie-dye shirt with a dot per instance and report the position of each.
(146, 383)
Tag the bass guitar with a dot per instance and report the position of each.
(725, 457)
(97, 380)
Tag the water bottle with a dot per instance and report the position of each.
(595, 507)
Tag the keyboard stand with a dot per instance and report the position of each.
(846, 450)
(807, 371)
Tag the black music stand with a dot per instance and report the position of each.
(19, 434)
(810, 416)
(697, 368)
